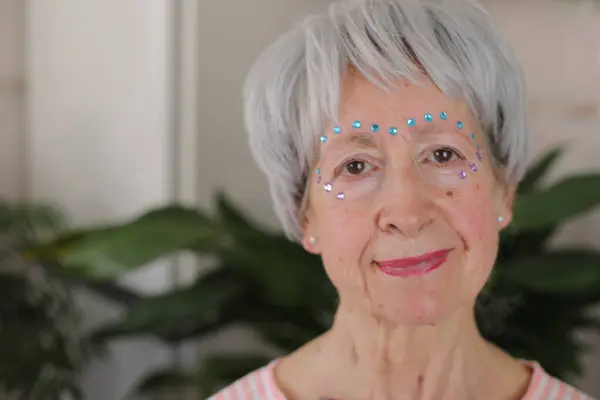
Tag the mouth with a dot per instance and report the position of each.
(413, 266)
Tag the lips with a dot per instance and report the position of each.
(411, 266)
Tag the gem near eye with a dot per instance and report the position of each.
(374, 128)
(337, 130)
(443, 116)
(356, 124)
(428, 117)
(459, 125)
(328, 187)
(393, 131)
(323, 139)
(411, 122)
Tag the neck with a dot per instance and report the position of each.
(366, 357)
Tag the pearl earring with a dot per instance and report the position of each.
(500, 219)
(312, 240)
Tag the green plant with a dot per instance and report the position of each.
(535, 301)
(40, 352)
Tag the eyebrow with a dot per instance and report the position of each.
(362, 139)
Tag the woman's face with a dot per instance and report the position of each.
(405, 213)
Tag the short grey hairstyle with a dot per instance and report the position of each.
(293, 89)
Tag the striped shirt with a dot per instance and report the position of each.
(261, 385)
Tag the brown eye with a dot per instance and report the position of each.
(444, 155)
(356, 167)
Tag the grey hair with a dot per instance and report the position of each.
(293, 89)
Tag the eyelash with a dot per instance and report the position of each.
(341, 169)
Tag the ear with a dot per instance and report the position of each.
(505, 204)
(310, 241)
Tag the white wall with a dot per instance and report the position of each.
(100, 138)
(12, 87)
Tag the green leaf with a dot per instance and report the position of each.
(207, 305)
(108, 252)
(538, 170)
(567, 199)
(560, 272)
(163, 380)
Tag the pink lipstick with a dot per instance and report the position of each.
(411, 266)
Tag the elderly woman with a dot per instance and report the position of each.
(393, 134)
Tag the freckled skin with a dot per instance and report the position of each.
(404, 338)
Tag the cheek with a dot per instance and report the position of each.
(474, 221)
(344, 231)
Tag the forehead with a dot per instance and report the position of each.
(361, 98)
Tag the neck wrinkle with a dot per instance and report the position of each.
(386, 361)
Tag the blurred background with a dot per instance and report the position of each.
(112, 108)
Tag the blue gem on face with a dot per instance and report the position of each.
(473, 135)
(411, 122)
(318, 171)
(318, 156)
(356, 124)
(443, 116)
(323, 139)
(337, 130)
(375, 128)
(459, 125)
(393, 131)
(428, 117)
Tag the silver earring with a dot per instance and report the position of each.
(312, 240)
(500, 219)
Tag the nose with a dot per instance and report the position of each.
(405, 205)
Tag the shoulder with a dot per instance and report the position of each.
(258, 385)
(545, 387)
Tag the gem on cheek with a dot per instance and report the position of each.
(460, 125)
(411, 122)
(356, 124)
(374, 128)
(337, 130)
(479, 156)
(462, 175)
(319, 180)
(328, 187)
(323, 139)
(428, 117)
(473, 167)
(473, 135)
(341, 196)
(393, 131)
(443, 116)
(319, 171)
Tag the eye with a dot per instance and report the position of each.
(444, 155)
(356, 167)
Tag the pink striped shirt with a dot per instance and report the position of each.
(261, 385)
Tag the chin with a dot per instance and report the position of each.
(419, 309)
